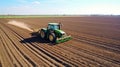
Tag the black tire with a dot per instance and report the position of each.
(52, 37)
(42, 34)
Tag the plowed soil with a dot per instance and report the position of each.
(95, 43)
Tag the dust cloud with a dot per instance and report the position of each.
(20, 24)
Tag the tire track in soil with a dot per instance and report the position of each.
(20, 36)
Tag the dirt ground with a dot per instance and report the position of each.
(95, 43)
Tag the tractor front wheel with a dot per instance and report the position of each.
(52, 37)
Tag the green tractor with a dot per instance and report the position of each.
(53, 33)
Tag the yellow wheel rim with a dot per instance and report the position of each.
(51, 38)
(42, 34)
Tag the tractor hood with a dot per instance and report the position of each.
(60, 31)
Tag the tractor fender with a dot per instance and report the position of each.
(44, 29)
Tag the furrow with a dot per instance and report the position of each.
(117, 61)
(15, 51)
(14, 41)
(96, 57)
(50, 55)
(98, 44)
(64, 55)
(46, 53)
(41, 56)
(11, 54)
(59, 56)
(4, 55)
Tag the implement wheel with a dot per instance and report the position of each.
(52, 37)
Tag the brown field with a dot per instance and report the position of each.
(95, 43)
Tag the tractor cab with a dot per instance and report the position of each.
(53, 33)
(54, 26)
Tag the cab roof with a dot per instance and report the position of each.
(53, 23)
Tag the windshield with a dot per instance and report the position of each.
(53, 27)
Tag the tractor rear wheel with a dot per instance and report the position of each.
(42, 34)
(52, 37)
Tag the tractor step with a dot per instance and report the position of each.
(63, 39)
